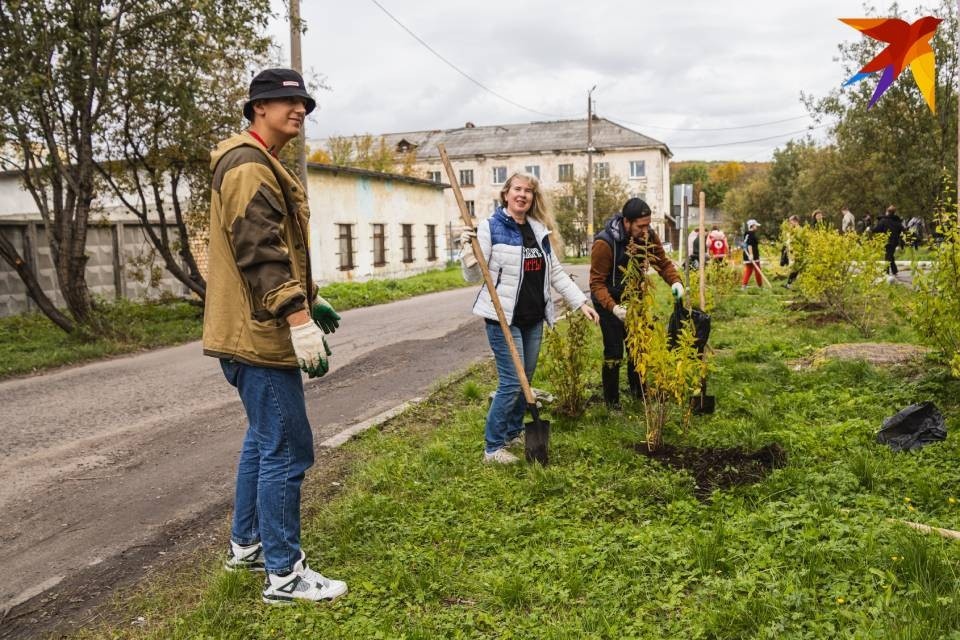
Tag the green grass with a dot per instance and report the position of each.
(607, 544)
(31, 343)
(349, 295)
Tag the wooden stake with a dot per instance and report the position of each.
(950, 534)
(703, 253)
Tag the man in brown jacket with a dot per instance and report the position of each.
(256, 322)
(626, 236)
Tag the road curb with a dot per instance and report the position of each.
(341, 438)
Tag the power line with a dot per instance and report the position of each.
(746, 126)
(461, 71)
(738, 142)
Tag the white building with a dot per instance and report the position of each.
(484, 157)
(367, 224)
(363, 224)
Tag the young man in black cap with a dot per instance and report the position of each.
(626, 236)
(257, 322)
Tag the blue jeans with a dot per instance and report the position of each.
(276, 453)
(505, 418)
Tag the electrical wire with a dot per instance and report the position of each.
(746, 126)
(461, 71)
(739, 142)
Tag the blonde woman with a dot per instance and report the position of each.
(524, 264)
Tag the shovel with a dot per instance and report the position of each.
(537, 436)
(703, 403)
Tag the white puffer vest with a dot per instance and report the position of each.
(502, 246)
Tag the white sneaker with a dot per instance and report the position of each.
(245, 558)
(297, 586)
(500, 456)
(515, 440)
(332, 589)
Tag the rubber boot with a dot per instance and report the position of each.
(611, 383)
(633, 379)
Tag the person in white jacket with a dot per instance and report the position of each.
(524, 264)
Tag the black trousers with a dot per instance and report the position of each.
(891, 258)
(614, 333)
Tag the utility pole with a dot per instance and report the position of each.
(590, 164)
(296, 63)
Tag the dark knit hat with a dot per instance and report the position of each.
(277, 83)
(636, 208)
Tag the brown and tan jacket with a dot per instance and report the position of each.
(609, 256)
(258, 257)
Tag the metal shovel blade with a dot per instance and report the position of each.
(703, 404)
(537, 441)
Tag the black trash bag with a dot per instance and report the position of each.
(701, 325)
(913, 428)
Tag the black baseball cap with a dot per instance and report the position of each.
(636, 208)
(277, 83)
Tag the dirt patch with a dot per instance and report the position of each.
(876, 353)
(717, 467)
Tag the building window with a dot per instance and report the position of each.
(497, 203)
(379, 245)
(466, 177)
(499, 175)
(434, 176)
(566, 173)
(638, 169)
(406, 233)
(471, 208)
(601, 170)
(640, 194)
(533, 169)
(346, 246)
(431, 242)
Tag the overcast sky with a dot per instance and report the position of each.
(658, 66)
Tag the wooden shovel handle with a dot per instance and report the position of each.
(491, 287)
(703, 252)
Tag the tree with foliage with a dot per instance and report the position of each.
(166, 118)
(894, 152)
(365, 152)
(65, 106)
(570, 206)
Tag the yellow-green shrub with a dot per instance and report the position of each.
(844, 272)
(567, 362)
(936, 309)
(670, 377)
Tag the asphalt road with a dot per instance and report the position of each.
(103, 459)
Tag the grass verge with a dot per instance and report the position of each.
(608, 544)
(30, 343)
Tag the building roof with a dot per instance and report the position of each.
(507, 139)
(366, 173)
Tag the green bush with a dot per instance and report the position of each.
(566, 363)
(936, 307)
(842, 272)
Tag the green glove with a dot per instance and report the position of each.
(323, 366)
(324, 315)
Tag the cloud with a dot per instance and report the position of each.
(692, 64)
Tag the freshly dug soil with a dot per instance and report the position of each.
(716, 467)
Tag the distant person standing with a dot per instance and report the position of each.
(717, 244)
(865, 224)
(790, 241)
(848, 223)
(751, 255)
(818, 220)
(892, 225)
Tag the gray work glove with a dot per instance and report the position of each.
(620, 312)
(311, 349)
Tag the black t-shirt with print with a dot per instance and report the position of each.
(530, 308)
